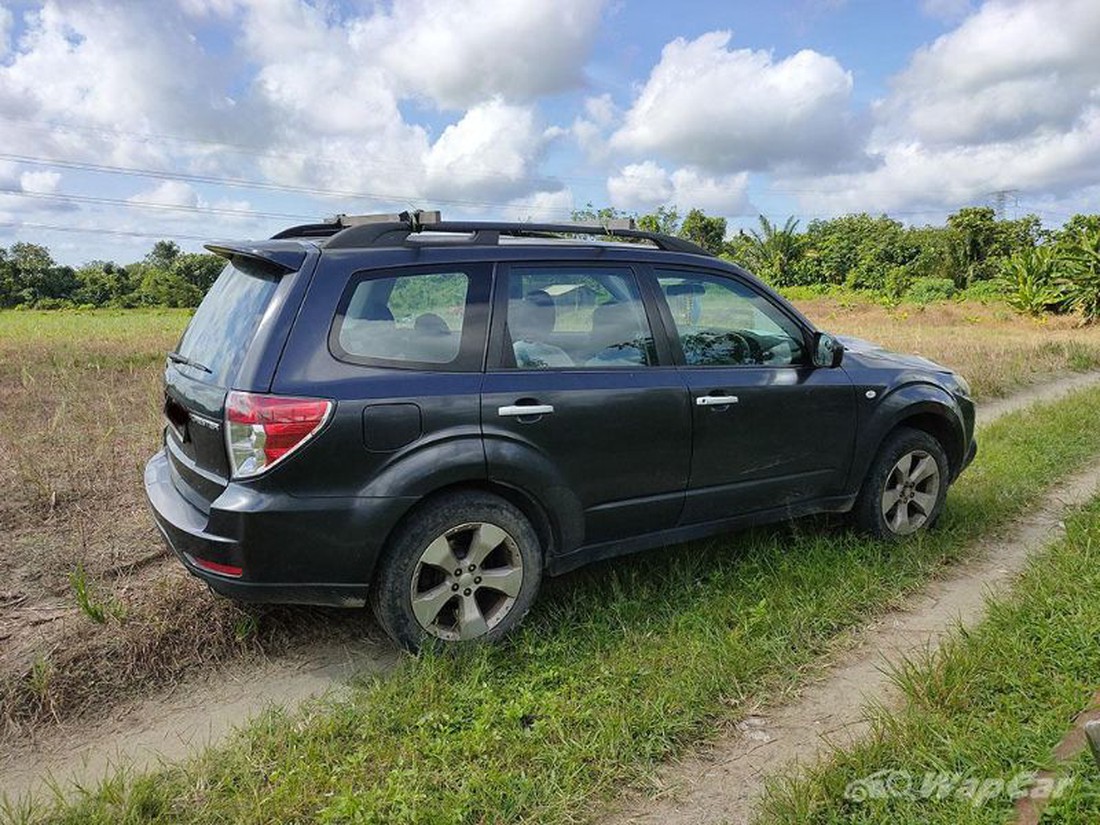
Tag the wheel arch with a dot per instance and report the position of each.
(940, 427)
(921, 407)
(546, 528)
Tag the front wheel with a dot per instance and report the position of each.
(905, 488)
(463, 568)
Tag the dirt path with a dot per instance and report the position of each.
(169, 726)
(1047, 391)
(721, 783)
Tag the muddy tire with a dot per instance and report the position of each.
(905, 487)
(463, 568)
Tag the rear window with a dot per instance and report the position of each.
(223, 325)
(411, 319)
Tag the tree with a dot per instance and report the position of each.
(103, 283)
(774, 252)
(198, 269)
(163, 255)
(166, 289)
(10, 283)
(709, 233)
(665, 220)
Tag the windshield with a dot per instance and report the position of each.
(222, 328)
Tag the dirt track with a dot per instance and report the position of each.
(170, 725)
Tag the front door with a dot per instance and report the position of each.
(769, 429)
(579, 383)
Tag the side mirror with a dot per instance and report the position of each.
(828, 351)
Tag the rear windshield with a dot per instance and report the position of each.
(226, 320)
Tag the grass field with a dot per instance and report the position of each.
(617, 667)
(988, 709)
(91, 609)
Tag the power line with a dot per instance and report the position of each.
(243, 183)
(94, 231)
(202, 210)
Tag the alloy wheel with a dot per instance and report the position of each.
(466, 581)
(911, 492)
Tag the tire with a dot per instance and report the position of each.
(903, 493)
(425, 589)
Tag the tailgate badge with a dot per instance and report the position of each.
(205, 422)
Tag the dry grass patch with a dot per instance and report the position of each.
(91, 604)
(993, 347)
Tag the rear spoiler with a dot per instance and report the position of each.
(280, 259)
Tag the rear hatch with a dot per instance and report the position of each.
(239, 315)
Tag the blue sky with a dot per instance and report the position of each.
(122, 122)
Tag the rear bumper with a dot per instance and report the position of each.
(289, 550)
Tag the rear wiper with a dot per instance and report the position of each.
(176, 358)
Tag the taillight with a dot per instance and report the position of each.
(262, 430)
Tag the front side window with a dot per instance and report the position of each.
(722, 322)
(415, 318)
(564, 317)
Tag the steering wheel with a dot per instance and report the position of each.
(749, 350)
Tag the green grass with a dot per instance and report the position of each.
(617, 668)
(990, 706)
(33, 326)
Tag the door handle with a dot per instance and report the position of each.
(523, 410)
(715, 400)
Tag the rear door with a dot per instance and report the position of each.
(579, 379)
(769, 429)
(227, 344)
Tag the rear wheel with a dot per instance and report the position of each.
(464, 568)
(905, 488)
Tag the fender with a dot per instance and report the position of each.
(521, 465)
(896, 406)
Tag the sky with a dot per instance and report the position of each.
(128, 121)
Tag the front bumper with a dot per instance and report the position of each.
(290, 550)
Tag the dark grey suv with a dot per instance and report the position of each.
(430, 415)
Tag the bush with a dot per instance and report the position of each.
(1030, 280)
(1083, 284)
(986, 292)
(927, 290)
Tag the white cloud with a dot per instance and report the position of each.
(209, 8)
(1010, 99)
(492, 152)
(729, 110)
(1007, 70)
(169, 193)
(461, 52)
(591, 130)
(123, 69)
(5, 31)
(647, 185)
(542, 206)
(40, 182)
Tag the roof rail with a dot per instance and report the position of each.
(366, 231)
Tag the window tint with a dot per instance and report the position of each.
(561, 317)
(722, 322)
(413, 318)
(223, 325)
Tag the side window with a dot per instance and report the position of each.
(406, 318)
(567, 316)
(722, 322)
